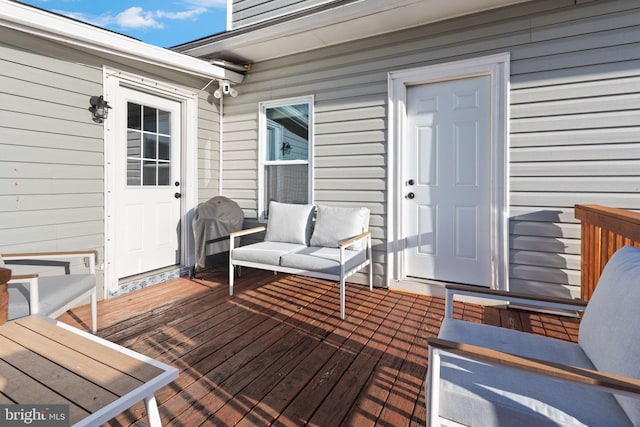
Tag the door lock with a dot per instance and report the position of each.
(410, 182)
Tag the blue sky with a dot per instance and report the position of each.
(158, 22)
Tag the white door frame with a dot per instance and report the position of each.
(112, 80)
(497, 68)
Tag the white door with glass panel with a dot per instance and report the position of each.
(148, 175)
(447, 181)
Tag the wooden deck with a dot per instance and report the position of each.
(278, 353)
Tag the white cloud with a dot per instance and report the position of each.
(208, 3)
(136, 17)
(187, 14)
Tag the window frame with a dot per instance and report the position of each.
(263, 163)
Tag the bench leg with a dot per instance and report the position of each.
(94, 313)
(152, 411)
(342, 296)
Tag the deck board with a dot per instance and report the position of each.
(278, 353)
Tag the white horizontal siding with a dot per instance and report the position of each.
(247, 12)
(51, 154)
(208, 148)
(574, 120)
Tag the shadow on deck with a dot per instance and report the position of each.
(278, 353)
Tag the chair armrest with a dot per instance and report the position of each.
(511, 297)
(54, 255)
(353, 240)
(613, 383)
(49, 255)
(18, 278)
(247, 231)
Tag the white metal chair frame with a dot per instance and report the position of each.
(32, 280)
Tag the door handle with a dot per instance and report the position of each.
(410, 196)
(177, 195)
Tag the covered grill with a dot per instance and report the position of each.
(212, 223)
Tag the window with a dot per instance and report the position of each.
(148, 146)
(286, 150)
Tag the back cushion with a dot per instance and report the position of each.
(610, 328)
(289, 223)
(334, 224)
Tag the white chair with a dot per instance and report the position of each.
(51, 295)
(491, 376)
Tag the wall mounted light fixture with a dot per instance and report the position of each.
(99, 108)
(286, 148)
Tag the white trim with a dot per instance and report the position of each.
(59, 28)
(497, 67)
(262, 123)
(188, 98)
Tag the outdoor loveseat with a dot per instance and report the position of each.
(334, 246)
(490, 376)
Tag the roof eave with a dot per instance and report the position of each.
(58, 28)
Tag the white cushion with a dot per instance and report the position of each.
(609, 332)
(334, 224)
(321, 259)
(289, 223)
(265, 252)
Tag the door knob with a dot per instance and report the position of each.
(177, 195)
(410, 196)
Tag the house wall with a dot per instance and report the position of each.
(247, 12)
(574, 121)
(52, 153)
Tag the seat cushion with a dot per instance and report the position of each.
(289, 223)
(609, 332)
(334, 224)
(54, 293)
(265, 252)
(321, 259)
(504, 396)
(476, 393)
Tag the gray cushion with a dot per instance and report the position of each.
(54, 293)
(478, 394)
(321, 259)
(289, 223)
(511, 397)
(609, 332)
(334, 224)
(265, 252)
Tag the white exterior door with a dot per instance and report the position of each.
(147, 182)
(447, 181)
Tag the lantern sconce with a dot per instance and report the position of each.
(99, 108)
(286, 148)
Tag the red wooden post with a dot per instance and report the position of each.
(604, 230)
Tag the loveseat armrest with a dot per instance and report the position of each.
(618, 384)
(353, 240)
(240, 233)
(247, 231)
(510, 297)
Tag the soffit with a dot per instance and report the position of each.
(331, 26)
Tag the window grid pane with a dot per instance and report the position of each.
(148, 146)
